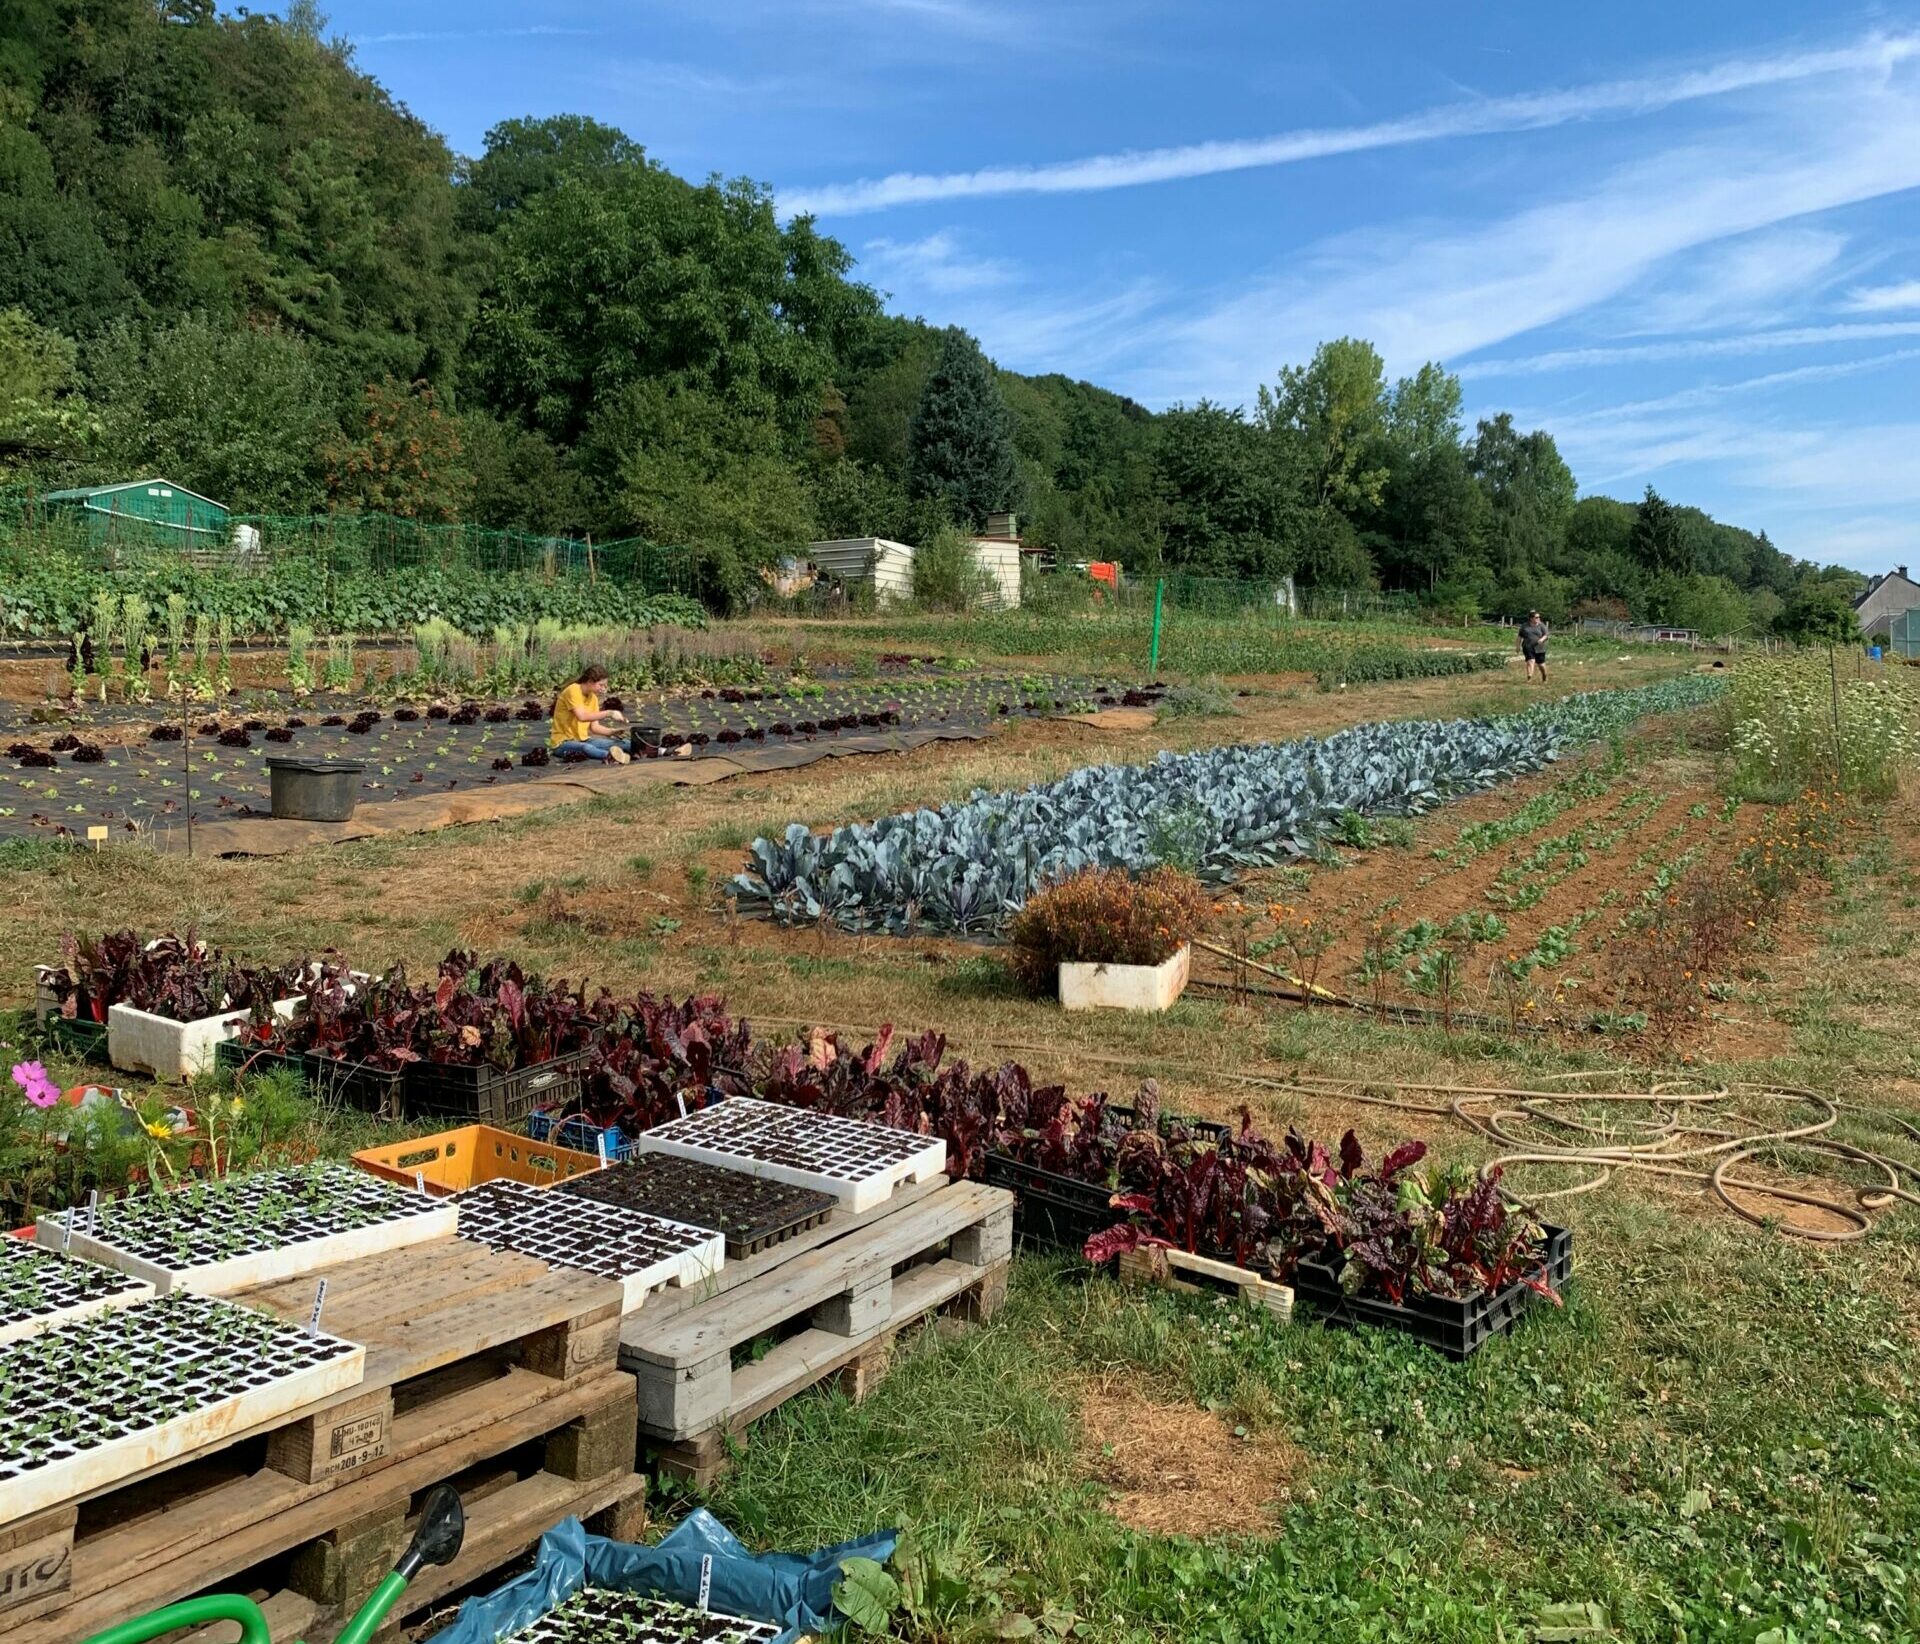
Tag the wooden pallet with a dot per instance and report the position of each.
(1178, 1270)
(470, 1354)
(837, 1296)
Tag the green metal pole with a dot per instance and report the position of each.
(1153, 658)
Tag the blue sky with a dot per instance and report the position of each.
(1684, 237)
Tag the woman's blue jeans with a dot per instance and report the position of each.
(594, 747)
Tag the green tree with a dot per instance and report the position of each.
(1820, 613)
(1658, 541)
(1220, 502)
(960, 449)
(241, 416)
(1530, 490)
(43, 415)
(1333, 410)
(526, 158)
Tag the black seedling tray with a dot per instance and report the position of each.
(1458, 1329)
(753, 1212)
(485, 1095)
(354, 1084)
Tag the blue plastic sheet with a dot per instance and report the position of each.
(793, 1590)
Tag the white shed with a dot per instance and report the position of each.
(887, 565)
(1000, 559)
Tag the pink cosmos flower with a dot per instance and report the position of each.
(32, 1079)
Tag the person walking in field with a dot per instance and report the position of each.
(1533, 644)
(579, 720)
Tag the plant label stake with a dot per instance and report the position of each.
(680, 1102)
(706, 1580)
(66, 1238)
(319, 1301)
(93, 1209)
(605, 1157)
(420, 1183)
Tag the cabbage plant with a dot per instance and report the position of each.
(967, 867)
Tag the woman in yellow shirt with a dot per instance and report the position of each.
(578, 719)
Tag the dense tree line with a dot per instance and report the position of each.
(228, 255)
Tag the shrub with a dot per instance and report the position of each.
(947, 573)
(1103, 916)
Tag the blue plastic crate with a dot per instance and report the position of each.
(582, 1136)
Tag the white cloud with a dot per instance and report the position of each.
(1883, 299)
(1692, 348)
(409, 36)
(1741, 283)
(937, 264)
(1877, 54)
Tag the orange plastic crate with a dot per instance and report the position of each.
(451, 1161)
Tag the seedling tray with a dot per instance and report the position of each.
(753, 1212)
(455, 1160)
(1456, 1328)
(860, 1164)
(378, 1090)
(600, 1615)
(218, 1237)
(487, 1095)
(40, 1289)
(642, 1252)
(90, 1403)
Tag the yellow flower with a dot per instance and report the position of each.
(159, 1130)
(238, 1106)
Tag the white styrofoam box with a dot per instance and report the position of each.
(1125, 987)
(263, 1256)
(176, 1372)
(642, 1252)
(858, 1163)
(138, 1042)
(39, 1289)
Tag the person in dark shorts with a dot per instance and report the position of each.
(1533, 644)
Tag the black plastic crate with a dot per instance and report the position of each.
(77, 1036)
(1458, 1329)
(486, 1095)
(1059, 1212)
(235, 1055)
(355, 1084)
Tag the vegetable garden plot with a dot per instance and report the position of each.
(752, 1211)
(860, 1164)
(642, 1252)
(39, 1289)
(600, 1615)
(119, 774)
(967, 866)
(217, 1237)
(89, 1403)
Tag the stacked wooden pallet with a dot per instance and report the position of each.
(832, 1298)
(482, 1367)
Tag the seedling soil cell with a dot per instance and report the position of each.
(124, 779)
(88, 1404)
(753, 1212)
(860, 1164)
(41, 1288)
(218, 1237)
(600, 1615)
(642, 1252)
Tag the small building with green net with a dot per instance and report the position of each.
(148, 511)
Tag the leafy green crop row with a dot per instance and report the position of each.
(54, 599)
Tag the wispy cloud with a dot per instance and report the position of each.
(1689, 348)
(937, 263)
(1883, 299)
(1745, 282)
(1533, 111)
(398, 37)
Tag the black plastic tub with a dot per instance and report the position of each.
(485, 1095)
(355, 1084)
(1459, 1329)
(314, 790)
(643, 741)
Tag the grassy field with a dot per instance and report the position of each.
(1719, 1438)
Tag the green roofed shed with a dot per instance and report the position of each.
(155, 508)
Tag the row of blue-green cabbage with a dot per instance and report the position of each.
(967, 867)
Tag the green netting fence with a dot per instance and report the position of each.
(1903, 636)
